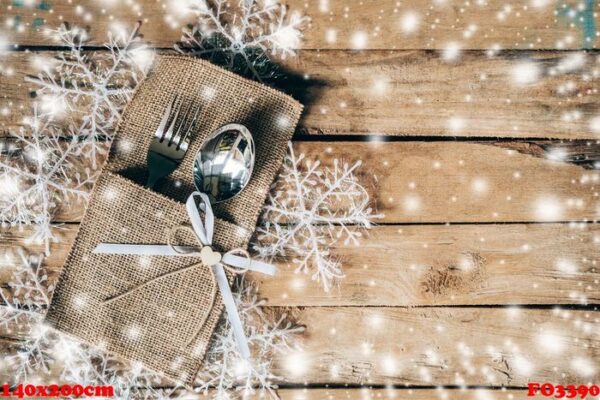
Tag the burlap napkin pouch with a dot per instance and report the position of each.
(151, 326)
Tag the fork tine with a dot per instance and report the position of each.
(176, 137)
(169, 134)
(190, 128)
(160, 131)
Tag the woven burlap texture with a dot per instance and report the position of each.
(223, 98)
(151, 326)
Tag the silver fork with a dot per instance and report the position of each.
(170, 143)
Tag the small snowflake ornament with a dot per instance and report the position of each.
(24, 302)
(242, 36)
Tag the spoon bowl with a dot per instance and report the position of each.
(224, 163)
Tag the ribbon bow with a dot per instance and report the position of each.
(217, 262)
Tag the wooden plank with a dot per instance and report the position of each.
(408, 93)
(466, 182)
(418, 93)
(393, 393)
(453, 265)
(367, 393)
(377, 24)
(9, 346)
(444, 346)
(441, 346)
(423, 265)
(456, 182)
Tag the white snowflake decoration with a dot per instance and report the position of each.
(311, 209)
(45, 353)
(43, 168)
(81, 95)
(41, 171)
(241, 36)
(90, 89)
(28, 292)
(224, 368)
(91, 366)
(23, 305)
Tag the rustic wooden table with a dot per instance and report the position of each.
(479, 159)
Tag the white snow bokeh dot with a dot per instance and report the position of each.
(525, 73)
(410, 21)
(548, 208)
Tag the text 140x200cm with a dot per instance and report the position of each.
(28, 390)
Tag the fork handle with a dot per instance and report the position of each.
(159, 167)
(152, 180)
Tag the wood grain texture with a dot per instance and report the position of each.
(418, 93)
(413, 93)
(420, 182)
(391, 393)
(441, 346)
(453, 265)
(408, 394)
(335, 24)
(404, 83)
(422, 265)
(444, 346)
(448, 346)
(456, 182)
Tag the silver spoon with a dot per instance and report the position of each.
(224, 163)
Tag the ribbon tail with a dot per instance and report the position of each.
(250, 265)
(232, 311)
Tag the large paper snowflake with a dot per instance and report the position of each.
(88, 90)
(41, 170)
(243, 36)
(311, 209)
(51, 160)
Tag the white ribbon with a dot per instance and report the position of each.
(217, 262)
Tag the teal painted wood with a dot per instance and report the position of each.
(583, 18)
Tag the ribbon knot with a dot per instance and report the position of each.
(235, 261)
(209, 256)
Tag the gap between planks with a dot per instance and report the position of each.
(402, 93)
